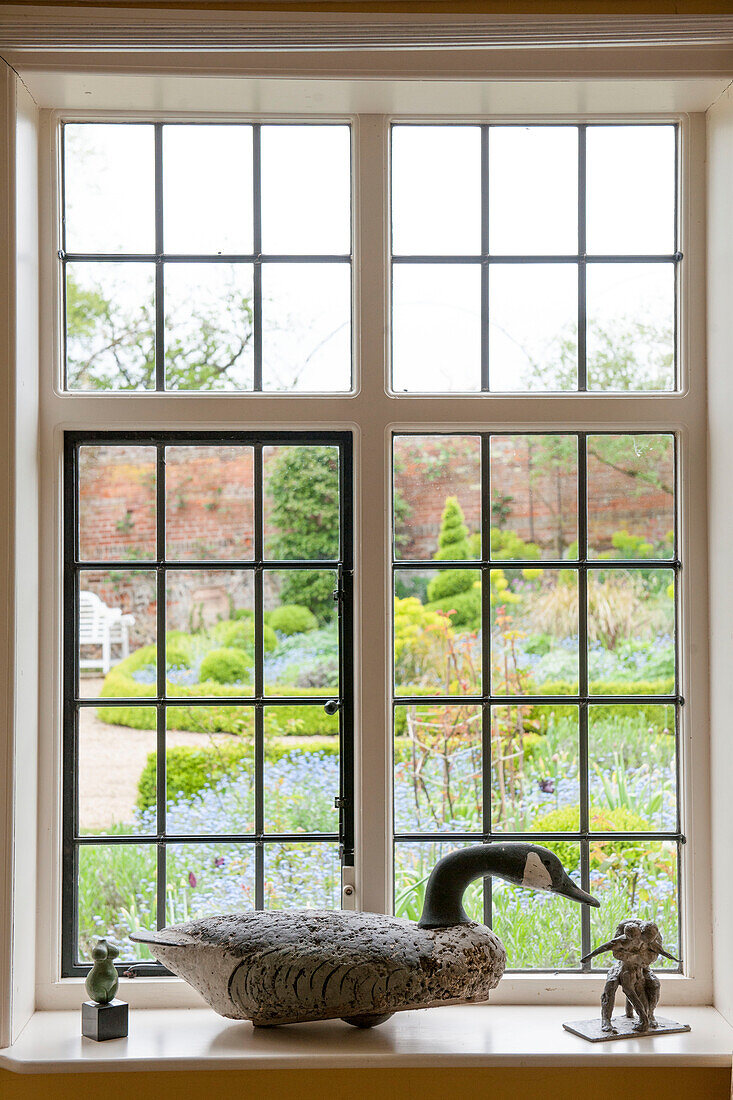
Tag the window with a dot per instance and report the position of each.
(522, 578)
(179, 561)
(536, 694)
(194, 261)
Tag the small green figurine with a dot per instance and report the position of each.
(102, 979)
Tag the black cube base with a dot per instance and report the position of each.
(100, 1022)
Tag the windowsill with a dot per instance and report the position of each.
(466, 1035)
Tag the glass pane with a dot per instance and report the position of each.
(207, 189)
(302, 876)
(437, 769)
(301, 632)
(636, 877)
(209, 513)
(436, 190)
(209, 770)
(306, 190)
(437, 496)
(630, 327)
(209, 327)
(534, 631)
(533, 322)
(630, 496)
(534, 497)
(437, 632)
(631, 632)
(533, 190)
(633, 773)
(110, 326)
(109, 187)
(436, 328)
(306, 327)
(301, 770)
(630, 190)
(116, 766)
(203, 880)
(534, 769)
(413, 863)
(301, 505)
(210, 619)
(116, 503)
(538, 928)
(117, 885)
(116, 633)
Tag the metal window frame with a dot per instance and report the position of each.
(485, 699)
(73, 703)
(160, 258)
(581, 259)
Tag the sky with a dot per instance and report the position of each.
(436, 210)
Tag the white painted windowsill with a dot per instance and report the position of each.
(465, 1035)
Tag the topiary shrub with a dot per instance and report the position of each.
(292, 618)
(453, 545)
(225, 666)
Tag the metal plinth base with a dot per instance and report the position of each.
(624, 1029)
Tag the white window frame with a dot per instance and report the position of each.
(373, 414)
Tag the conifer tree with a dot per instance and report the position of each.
(453, 545)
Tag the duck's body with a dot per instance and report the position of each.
(312, 964)
(315, 964)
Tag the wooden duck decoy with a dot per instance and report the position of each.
(293, 966)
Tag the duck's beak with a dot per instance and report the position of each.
(569, 889)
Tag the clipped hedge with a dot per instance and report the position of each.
(190, 770)
(285, 721)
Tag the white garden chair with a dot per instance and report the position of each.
(103, 627)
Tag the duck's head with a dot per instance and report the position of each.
(517, 862)
(539, 868)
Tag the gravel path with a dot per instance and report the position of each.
(111, 760)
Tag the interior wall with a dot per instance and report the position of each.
(720, 464)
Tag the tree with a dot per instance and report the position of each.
(111, 340)
(303, 484)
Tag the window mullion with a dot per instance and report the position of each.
(373, 454)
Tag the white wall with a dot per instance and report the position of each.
(720, 473)
(18, 550)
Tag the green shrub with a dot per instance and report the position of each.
(240, 634)
(240, 613)
(506, 545)
(466, 605)
(190, 770)
(292, 618)
(566, 819)
(225, 666)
